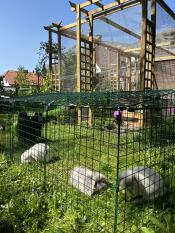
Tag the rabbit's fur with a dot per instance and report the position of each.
(36, 153)
(142, 184)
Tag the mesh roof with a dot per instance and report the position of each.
(138, 99)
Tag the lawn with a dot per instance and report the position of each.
(26, 207)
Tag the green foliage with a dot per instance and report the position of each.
(68, 62)
(160, 132)
(23, 84)
(45, 87)
(68, 59)
(147, 230)
(22, 78)
(1, 84)
(44, 53)
(24, 207)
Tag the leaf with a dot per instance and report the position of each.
(157, 223)
(147, 230)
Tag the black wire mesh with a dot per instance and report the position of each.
(107, 156)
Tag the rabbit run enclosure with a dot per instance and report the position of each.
(107, 156)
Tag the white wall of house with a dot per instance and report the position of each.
(6, 83)
(7, 86)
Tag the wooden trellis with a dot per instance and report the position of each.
(54, 57)
(148, 46)
(85, 44)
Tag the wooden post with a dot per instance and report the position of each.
(59, 61)
(91, 111)
(108, 68)
(78, 18)
(143, 44)
(143, 57)
(118, 69)
(153, 12)
(129, 73)
(91, 28)
(50, 55)
(153, 19)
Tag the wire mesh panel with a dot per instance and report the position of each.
(117, 50)
(6, 119)
(165, 50)
(116, 171)
(68, 63)
(165, 73)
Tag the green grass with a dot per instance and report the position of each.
(62, 208)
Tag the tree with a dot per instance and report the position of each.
(45, 87)
(68, 65)
(68, 58)
(1, 84)
(44, 56)
(69, 62)
(22, 78)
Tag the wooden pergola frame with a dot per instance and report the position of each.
(101, 13)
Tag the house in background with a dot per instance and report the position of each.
(10, 76)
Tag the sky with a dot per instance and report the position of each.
(21, 25)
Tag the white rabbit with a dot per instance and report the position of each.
(87, 181)
(36, 153)
(142, 184)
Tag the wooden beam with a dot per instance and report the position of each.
(47, 28)
(72, 35)
(122, 4)
(118, 71)
(59, 61)
(57, 25)
(165, 58)
(68, 26)
(114, 24)
(167, 43)
(158, 45)
(91, 39)
(78, 38)
(82, 5)
(50, 54)
(153, 20)
(88, 13)
(69, 34)
(72, 25)
(118, 26)
(88, 3)
(166, 8)
(78, 48)
(74, 7)
(99, 5)
(166, 51)
(113, 7)
(106, 7)
(132, 50)
(129, 86)
(143, 44)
